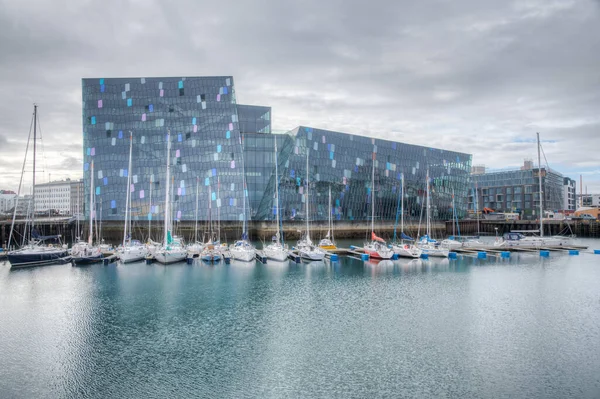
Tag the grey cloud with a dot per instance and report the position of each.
(472, 76)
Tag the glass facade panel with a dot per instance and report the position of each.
(345, 161)
(202, 116)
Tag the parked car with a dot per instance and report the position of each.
(587, 216)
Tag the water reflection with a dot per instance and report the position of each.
(304, 330)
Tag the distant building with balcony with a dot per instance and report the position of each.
(569, 194)
(517, 191)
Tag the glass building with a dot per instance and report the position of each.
(344, 162)
(204, 120)
(216, 142)
(517, 191)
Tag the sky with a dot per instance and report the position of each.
(476, 76)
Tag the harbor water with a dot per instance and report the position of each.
(527, 326)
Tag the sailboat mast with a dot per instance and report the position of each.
(218, 208)
(167, 184)
(276, 192)
(307, 197)
(196, 222)
(402, 204)
(128, 198)
(34, 150)
(428, 208)
(210, 224)
(540, 182)
(453, 215)
(91, 235)
(330, 227)
(244, 208)
(150, 212)
(373, 195)
(78, 194)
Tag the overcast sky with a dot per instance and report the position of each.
(477, 76)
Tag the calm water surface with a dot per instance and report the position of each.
(524, 327)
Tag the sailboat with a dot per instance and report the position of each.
(242, 249)
(85, 253)
(276, 250)
(194, 249)
(428, 245)
(376, 248)
(172, 249)
(452, 242)
(131, 250)
(151, 245)
(328, 242)
(402, 248)
(211, 252)
(36, 252)
(306, 249)
(517, 239)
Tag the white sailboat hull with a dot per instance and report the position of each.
(406, 251)
(275, 252)
(246, 255)
(437, 252)
(132, 254)
(313, 254)
(168, 256)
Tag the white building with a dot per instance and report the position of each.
(77, 197)
(7, 201)
(592, 200)
(569, 195)
(53, 196)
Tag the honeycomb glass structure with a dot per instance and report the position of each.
(202, 116)
(219, 145)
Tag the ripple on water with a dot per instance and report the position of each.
(427, 328)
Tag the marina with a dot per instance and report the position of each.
(421, 323)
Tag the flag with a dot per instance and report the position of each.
(375, 238)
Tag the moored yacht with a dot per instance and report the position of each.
(306, 249)
(172, 249)
(276, 250)
(377, 247)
